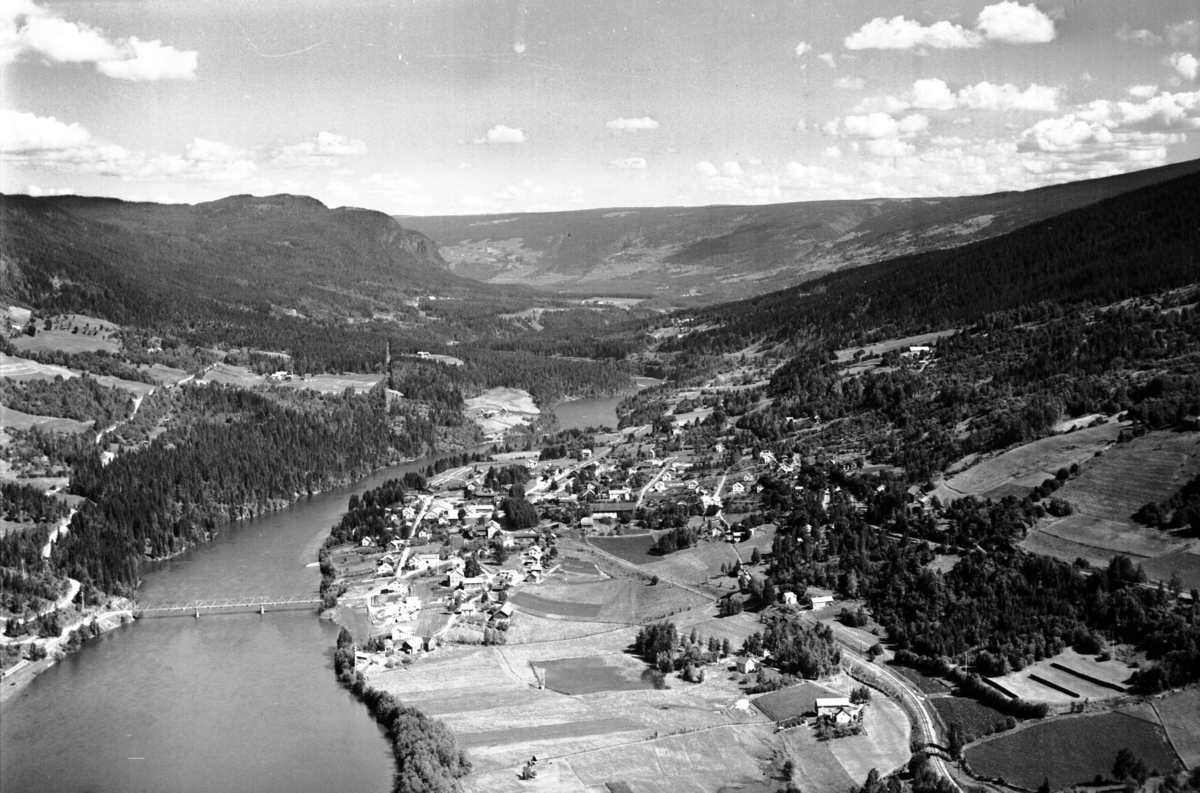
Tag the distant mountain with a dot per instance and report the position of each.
(142, 263)
(707, 254)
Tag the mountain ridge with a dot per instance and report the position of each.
(702, 255)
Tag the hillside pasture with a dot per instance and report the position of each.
(16, 420)
(16, 368)
(1018, 471)
(694, 565)
(1185, 562)
(165, 375)
(1180, 713)
(1070, 750)
(973, 716)
(334, 383)
(1109, 490)
(71, 333)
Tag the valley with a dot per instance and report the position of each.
(897, 523)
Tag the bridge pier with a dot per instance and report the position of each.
(197, 613)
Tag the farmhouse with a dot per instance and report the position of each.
(821, 601)
(747, 665)
(611, 509)
(839, 709)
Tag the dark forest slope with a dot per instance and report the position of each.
(1138, 243)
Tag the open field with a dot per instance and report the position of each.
(15, 368)
(875, 350)
(72, 333)
(16, 420)
(590, 675)
(1109, 489)
(1070, 750)
(1019, 470)
(165, 375)
(696, 564)
(1112, 672)
(334, 383)
(612, 600)
(527, 601)
(632, 548)
(1180, 714)
(973, 716)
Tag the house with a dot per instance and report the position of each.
(789, 598)
(747, 665)
(821, 601)
(839, 709)
(424, 561)
(410, 644)
(691, 484)
(585, 454)
(766, 456)
(611, 509)
(504, 612)
(737, 488)
(747, 477)
(385, 570)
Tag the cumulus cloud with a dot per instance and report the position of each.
(622, 124)
(25, 132)
(1141, 36)
(890, 147)
(36, 191)
(833, 151)
(1006, 21)
(517, 192)
(827, 59)
(877, 125)
(850, 83)
(630, 164)
(320, 151)
(899, 33)
(731, 168)
(706, 168)
(1186, 64)
(1143, 91)
(201, 149)
(802, 48)
(933, 94)
(1012, 22)
(27, 28)
(502, 134)
(1186, 32)
(987, 96)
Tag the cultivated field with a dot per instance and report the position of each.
(15, 368)
(1024, 686)
(632, 548)
(695, 565)
(1018, 471)
(1180, 715)
(1106, 494)
(1070, 750)
(974, 717)
(794, 701)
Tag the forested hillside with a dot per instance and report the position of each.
(1139, 243)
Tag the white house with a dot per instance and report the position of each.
(747, 665)
(840, 709)
(821, 601)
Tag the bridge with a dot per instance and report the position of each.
(241, 605)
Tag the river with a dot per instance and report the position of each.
(223, 702)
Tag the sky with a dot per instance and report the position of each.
(430, 107)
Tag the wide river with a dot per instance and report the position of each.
(223, 702)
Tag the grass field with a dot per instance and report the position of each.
(1180, 715)
(973, 716)
(16, 420)
(1023, 686)
(1070, 751)
(527, 601)
(590, 675)
(695, 565)
(1019, 470)
(793, 701)
(64, 340)
(632, 548)
(1109, 490)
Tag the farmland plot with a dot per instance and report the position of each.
(632, 548)
(1019, 470)
(1070, 750)
(1181, 716)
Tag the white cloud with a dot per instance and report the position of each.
(1142, 36)
(1005, 21)
(833, 151)
(576, 196)
(1068, 133)
(36, 191)
(25, 132)
(899, 33)
(320, 151)
(502, 134)
(1012, 22)
(827, 59)
(850, 83)
(1186, 64)
(201, 149)
(881, 104)
(390, 183)
(630, 163)
(151, 60)
(28, 28)
(731, 168)
(520, 191)
(889, 147)
(880, 125)
(622, 124)
(987, 96)
(933, 94)
(706, 168)
(802, 126)
(802, 48)
(1143, 91)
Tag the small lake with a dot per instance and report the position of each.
(594, 411)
